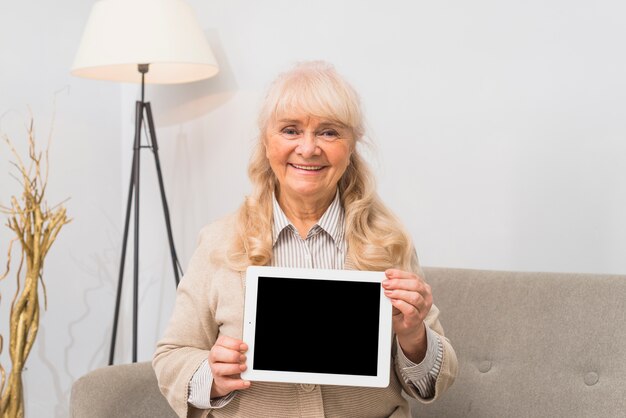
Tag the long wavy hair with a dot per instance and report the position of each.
(375, 237)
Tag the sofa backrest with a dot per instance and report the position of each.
(529, 345)
(532, 344)
(120, 391)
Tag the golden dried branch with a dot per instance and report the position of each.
(6, 272)
(3, 375)
(36, 227)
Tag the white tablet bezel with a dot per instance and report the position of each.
(384, 328)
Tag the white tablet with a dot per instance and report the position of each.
(327, 327)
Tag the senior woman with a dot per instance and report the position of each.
(313, 205)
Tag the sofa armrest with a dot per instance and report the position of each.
(126, 390)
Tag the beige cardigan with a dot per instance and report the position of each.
(209, 302)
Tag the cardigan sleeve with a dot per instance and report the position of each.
(191, 332)
(447, 365)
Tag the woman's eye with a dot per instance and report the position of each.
(290, 132)
(329, 134)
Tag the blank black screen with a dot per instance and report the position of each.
(317, 326)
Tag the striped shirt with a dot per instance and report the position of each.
(323, 248)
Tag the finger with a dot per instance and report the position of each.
(400, 274)
(407, 310)
(413, 298)
(229, 384)
(232, 343)
(221, 354)
(408, 314)
(227, 369)
(414, 284)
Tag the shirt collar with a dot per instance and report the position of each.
(332, 221)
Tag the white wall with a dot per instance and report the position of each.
(499, 131)
(499, 126)
(37, 43)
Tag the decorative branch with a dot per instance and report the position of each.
(36, 227)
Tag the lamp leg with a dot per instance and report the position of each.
(166, 212)
(133, 191)
(120, 279)
(137, 148)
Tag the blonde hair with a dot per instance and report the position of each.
(375, 237)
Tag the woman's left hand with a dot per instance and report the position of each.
(411, 298)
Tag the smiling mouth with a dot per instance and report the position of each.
(308, 167)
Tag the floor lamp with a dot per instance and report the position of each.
(143, 41)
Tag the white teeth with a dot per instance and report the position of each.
(308, 168)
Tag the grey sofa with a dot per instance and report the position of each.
(529, 345)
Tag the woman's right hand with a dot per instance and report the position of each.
(227, 361)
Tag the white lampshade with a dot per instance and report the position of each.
(120, 34)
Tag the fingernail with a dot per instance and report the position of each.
(242, 358)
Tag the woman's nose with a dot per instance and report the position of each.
(308, 145)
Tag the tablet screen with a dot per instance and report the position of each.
(317, 326)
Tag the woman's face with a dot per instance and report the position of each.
(308, 155)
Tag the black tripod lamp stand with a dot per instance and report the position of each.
(145, 41)
(143, 113)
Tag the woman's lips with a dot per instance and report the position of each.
(307, 167)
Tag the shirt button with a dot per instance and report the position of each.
(308, 387)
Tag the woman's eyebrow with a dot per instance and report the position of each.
(332, 124)
(289, 121)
